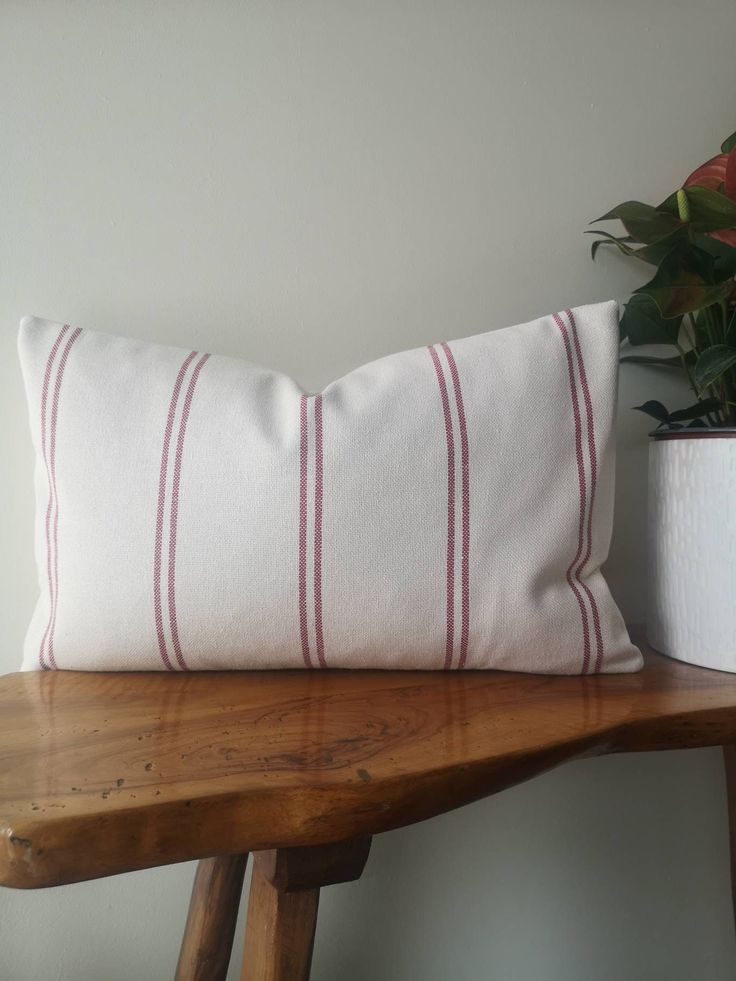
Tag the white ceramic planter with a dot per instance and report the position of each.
(692, 547)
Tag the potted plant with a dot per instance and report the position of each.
(689, 305)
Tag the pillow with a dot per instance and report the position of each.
(443, 508)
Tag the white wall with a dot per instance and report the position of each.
(312, 185)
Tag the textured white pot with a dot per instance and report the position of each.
(692, 547)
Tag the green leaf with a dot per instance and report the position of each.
(703, 407)
(669, 205)
(713, 363)
(653, 253)
(654, 409)
(729, 143)
(685, 282)
(696, 424)
(724, 256)
(708, 328)
(657, 251)
(642, 323)
(643, 222)
(620, 243)
(710, 211)
(731, 330)
(654, 362)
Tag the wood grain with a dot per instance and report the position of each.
(279, 933)
(105, 773)
(213, 912)
(296, 869)
(282, 910)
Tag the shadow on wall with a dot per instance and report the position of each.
(520, 872)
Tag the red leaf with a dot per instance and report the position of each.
(730, 179)
(710, 174)
(728, 235)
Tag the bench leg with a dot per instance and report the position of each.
(282, 909)
(213, 911)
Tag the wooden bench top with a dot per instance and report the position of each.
(106, 773)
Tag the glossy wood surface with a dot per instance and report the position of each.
(213, 913)
(105, 773)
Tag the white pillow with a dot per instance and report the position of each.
(447, 507)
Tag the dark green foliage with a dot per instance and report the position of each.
(689, 304)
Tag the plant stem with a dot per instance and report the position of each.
(725, 387)
(707, 317)
(691, 332)
(686, 368)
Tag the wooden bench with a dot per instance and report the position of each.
(106, 773)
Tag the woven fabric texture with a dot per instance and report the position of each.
(443, 508)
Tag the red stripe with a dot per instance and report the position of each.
(593, 482)
(581, 484)
(450, 506)
(175, 510)
(158, 542)
(303, 453)
(52, 461)
(465, 474)
(44, 403)
(318, 495)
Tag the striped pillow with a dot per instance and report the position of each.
(444, 508)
